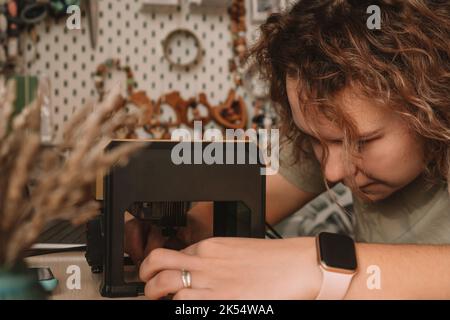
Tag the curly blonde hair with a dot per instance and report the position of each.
(327, 46)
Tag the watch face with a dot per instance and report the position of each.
(337, 251)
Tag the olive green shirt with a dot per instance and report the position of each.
(414, 214)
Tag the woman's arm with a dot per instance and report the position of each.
(240, 268)
(406, 272)
(282, 200)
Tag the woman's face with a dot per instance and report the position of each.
(391, 157)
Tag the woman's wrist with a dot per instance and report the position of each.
(316, 272)
(312, 268)
(305, 253)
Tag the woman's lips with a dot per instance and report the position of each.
(368, 185)
(371, 188)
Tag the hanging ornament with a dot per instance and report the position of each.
(200, 109)
(106, 68)
(237, 13)
(178, 58)
(58, 8)
(232, 114)
(144, 103)
(166, 115)
(131, 99)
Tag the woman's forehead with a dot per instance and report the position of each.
(367, 114)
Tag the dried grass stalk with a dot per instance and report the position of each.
(62, 177)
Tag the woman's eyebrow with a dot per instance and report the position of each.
(370, 134)
(365, 135)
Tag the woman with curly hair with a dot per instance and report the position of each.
(368, 108)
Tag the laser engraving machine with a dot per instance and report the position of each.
(159, 185)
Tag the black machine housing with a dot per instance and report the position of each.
(152, 187)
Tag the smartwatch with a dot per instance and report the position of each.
(337, 259)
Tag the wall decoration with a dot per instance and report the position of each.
(232, 114)
(107, 67)
(166, 116)
(261, 9)
(210, 3)
(238, 28)
(182, 48)
(197, 109)
(148, 3)
(135, 37)
(33, 12)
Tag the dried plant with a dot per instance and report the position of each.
(62, 176)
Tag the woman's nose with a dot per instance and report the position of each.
(335, 170)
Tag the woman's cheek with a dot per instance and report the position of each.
(379, 157)
(393, 160)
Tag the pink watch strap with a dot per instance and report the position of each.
(334, 285)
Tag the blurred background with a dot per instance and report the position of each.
(152, 49)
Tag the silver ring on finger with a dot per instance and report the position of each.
(186, 278)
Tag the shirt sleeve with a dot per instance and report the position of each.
(305, 174)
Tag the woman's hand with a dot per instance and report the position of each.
(141, 237)
(235, 268)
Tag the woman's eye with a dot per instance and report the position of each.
(363, 143)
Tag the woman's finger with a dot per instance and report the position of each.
(194, 294)
(191, 250)
(170, 282)
(163, 259)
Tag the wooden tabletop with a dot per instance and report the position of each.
(65, 266)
